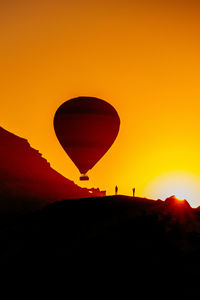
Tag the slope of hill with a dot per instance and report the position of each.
(27, 180)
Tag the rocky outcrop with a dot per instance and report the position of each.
(27, 179)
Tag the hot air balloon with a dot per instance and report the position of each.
(86, 127)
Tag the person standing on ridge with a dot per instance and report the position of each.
(133, 192)
(116, 190)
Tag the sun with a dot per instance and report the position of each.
(180, 184)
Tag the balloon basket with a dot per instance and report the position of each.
(84, 177)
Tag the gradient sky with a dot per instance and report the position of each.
(140, 56)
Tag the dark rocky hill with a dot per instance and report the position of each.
(27, 180)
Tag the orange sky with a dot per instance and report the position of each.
(141, 56)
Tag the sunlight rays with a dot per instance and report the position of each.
(181, 184)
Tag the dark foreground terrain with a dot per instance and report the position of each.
(114, 243)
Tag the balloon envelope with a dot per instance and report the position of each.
(86, 127)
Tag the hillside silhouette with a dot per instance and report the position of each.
(104, 243)
(113, 242)
(27, 180)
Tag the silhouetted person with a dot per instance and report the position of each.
(116, 190)
(133, 192)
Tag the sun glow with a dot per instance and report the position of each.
(182, 185)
